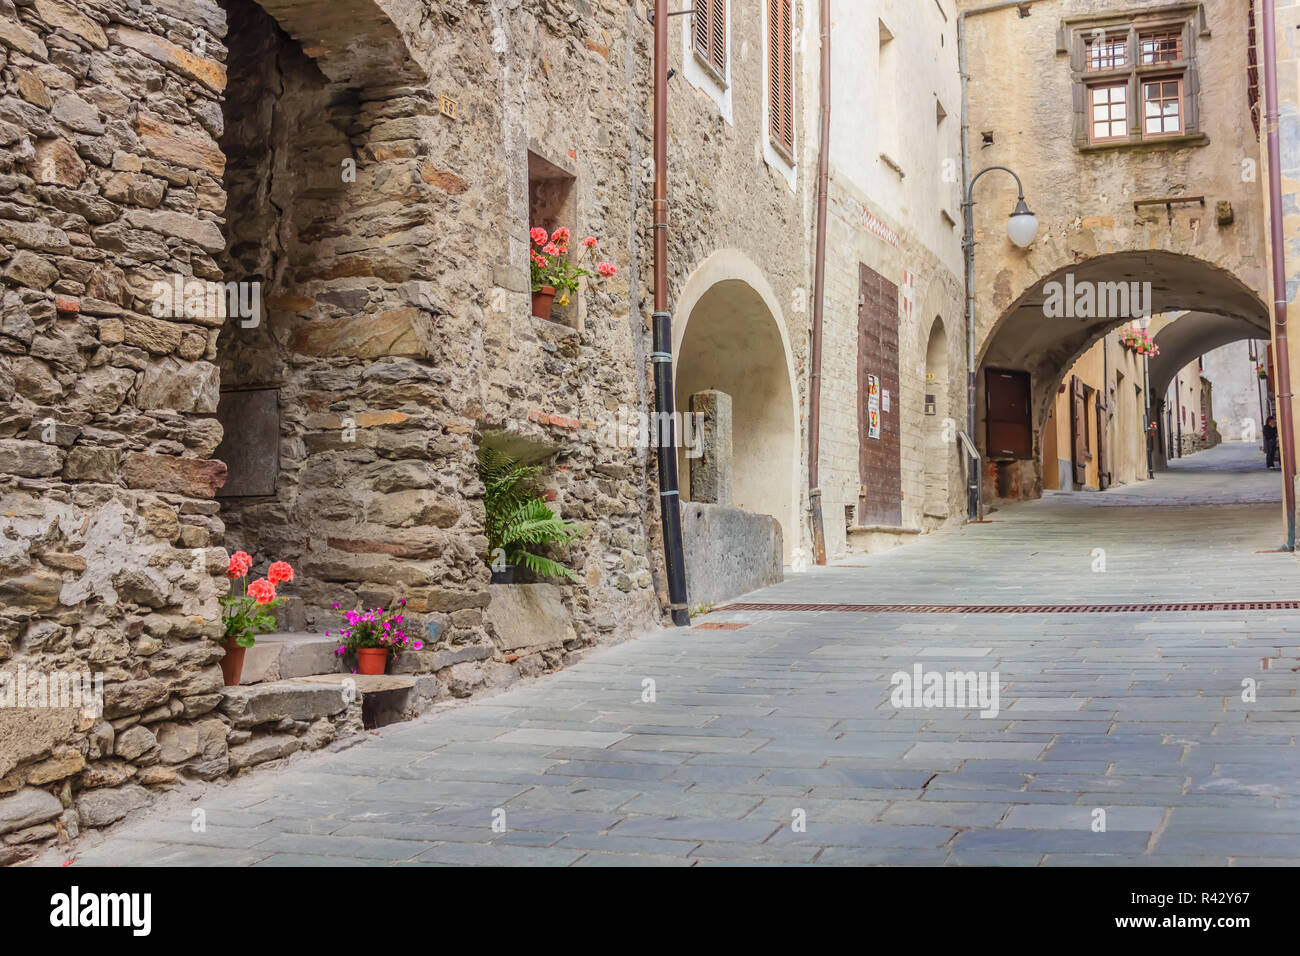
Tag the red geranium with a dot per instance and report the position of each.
(263, 590)
(279, 572)
(240, 562)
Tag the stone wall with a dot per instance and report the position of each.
(382, 220)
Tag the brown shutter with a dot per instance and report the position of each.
(718, 43)
(780, 73)
(787, 76)
(774, 69)
(709, 32)
(700, 19)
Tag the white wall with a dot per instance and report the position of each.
(1236, 389)
(884, 101)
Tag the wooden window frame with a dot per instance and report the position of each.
(1147, 36)
(1092, 121)
(1076, 37)
(1181, 99)
(709, 36)
(1110, 38)
(780, 77)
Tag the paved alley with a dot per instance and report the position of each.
(1118, 738)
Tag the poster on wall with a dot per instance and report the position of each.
(873, 406)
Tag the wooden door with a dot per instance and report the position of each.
(1079, 431)
(1009, 432)
(880, 497)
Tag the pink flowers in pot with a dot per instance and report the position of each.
(377, 628)
(552, 270)
(1137, 339)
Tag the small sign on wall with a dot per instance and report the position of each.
(884, 400)
(873, 406)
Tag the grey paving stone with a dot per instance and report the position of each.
(496, 854)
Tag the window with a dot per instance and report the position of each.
(1109, 105)
(1107, 52)
(1135, 79)
(709, 33)
(1162, 106)
(780, 75)
(1164, 47)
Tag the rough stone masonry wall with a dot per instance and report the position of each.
(374, 457)
(400, 301)
(109, 181)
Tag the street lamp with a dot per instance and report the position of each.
(1022, 227)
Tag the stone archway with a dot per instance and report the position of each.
(938, 444)
(1031, 336)
(358, 43)
(730, 336)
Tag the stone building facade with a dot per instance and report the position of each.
(266, 287)
(895, 299)
(1178, 208)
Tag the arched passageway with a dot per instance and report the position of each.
(1051, 324)
(730, 339)
(938, 444)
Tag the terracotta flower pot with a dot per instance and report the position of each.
(232, 665)
(372, 660)
(543, 301)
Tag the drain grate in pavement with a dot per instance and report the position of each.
(1021, 608)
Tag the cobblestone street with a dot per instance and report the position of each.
(753, 731)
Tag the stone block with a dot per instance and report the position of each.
(99, 808)
(261, 749)
(728, 552)
(527, 618)
(711, 472)
(27, 808)
(263, 703)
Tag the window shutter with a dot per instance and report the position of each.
(709, 31)
(718, 44)
(780, 73)
(701, 16)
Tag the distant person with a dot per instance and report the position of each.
(1270, 441)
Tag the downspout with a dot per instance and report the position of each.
(975, 480)
(1103, 418)
(1178, 414)
(1281, 357)
(1148, 423)
(819, 292)
(662, 356)
(975, 476)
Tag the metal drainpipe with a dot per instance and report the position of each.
(1281, 357)
(1178, 414)
(1147, 421)
(975, 488)
(662, 356)
(819, 292)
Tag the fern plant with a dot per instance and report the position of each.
(518, 521)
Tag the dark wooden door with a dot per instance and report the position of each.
(1079, 430)
(1009, 431)
(880, 497)
(1101, 439)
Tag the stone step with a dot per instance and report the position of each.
(284, 656)
(385, 698)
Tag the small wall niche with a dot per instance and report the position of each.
(251, 444)
(552, 202)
